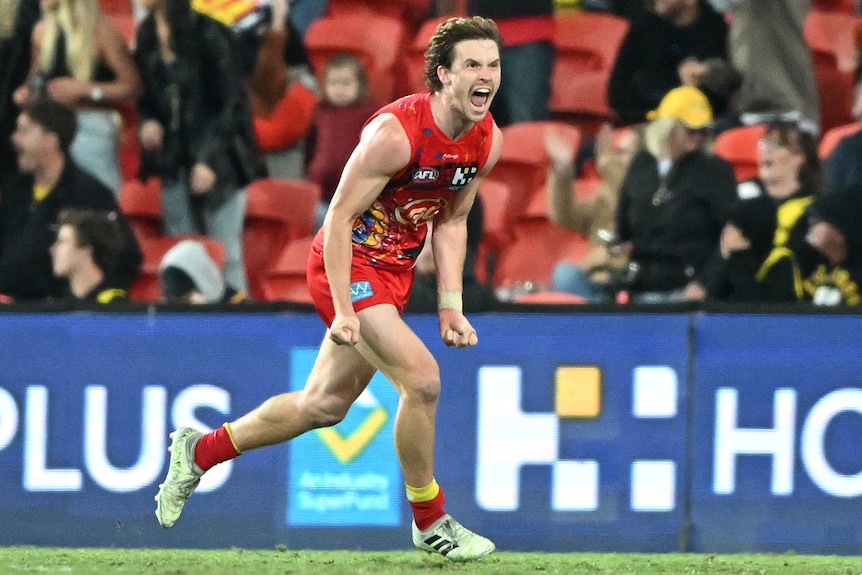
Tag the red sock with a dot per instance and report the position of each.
(425, 513)
(215, 447)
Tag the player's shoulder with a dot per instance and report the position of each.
(386, 139)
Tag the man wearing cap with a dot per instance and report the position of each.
(48, 181)
(674, 201)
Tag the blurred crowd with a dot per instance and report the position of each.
(654, 150)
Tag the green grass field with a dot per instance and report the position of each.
(281, 561)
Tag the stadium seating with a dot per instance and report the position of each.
(409, 12)
(495, 227)
(375, 40)
(286, 279)
(534, 246)
(278, 212)
(739, 147)
(146, 287)
(832, 38)
(141, 203)
(523, 162)
(831, 138)
(587, 44)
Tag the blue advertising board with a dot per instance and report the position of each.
(777, 427)
(558, 432)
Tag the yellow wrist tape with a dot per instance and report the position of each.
(449, 299)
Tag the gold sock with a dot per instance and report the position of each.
(420, 494)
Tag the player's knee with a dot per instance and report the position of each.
(325, 410)
(425, 388)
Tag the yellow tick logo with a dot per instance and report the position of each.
(347, 446)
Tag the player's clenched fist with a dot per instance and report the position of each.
(344, 330)
(455, 330)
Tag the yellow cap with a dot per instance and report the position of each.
(686, 104)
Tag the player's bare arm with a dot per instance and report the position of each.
(449, 243)
(382, 151)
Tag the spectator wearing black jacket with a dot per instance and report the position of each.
(16, 26)
(195, 126)
(671, 47)
(674, 200)
(789, 177)
(48, 181)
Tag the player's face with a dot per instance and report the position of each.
(64, 253)
(474, 77)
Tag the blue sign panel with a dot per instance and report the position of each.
(777, 428)
(566, 432)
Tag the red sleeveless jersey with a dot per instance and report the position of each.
(391, 232)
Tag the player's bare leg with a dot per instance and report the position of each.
(389, 344)
(338, 377)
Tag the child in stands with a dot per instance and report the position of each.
(340, 116)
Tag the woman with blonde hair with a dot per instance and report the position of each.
(673, 202)
(80, 59)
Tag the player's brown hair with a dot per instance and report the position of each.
(441, 47)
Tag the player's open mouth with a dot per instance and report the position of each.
(479, 98)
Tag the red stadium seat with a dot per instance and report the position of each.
(530, 257)
(375, 40)
(286, 280)
(523, 163)
(495, 226)
(278, 212)
(409, 12)
(831, 138)
(739, 147)
(141, 203)
(832, 39)
(549, 298)
(587, 44)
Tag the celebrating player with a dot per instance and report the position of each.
(419, 159)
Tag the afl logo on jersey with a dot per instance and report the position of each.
(425, 175)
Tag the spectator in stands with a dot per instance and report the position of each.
(843, 166)
(674, 200)
(49, 181)
(631, 11)
(86, 252)
(477, 295)
(767, 47)
(17, 19)
(81, 60)
(789, 177)
(337, 124)
(188, 274)
(282, 87)
(746, 241)
(594, 278)
(528, 56)
(674, 46)
(835, 233)
(195, 127)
